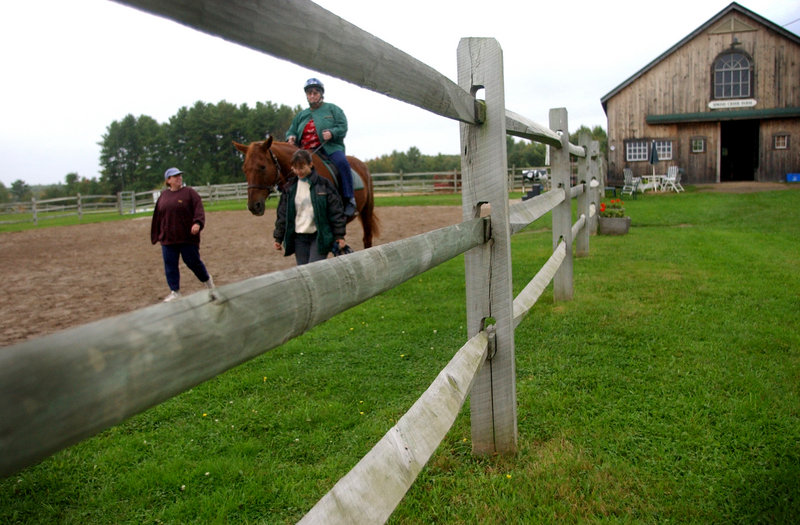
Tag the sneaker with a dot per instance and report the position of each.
(210, 283)
(172, 296)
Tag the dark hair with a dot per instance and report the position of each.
(301, 156)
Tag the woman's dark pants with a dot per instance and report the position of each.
(190, 253)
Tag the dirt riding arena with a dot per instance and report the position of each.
(59, 277)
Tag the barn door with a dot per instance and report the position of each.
(739, 159)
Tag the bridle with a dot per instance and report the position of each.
(280, 176)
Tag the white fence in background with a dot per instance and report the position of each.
(129, 202)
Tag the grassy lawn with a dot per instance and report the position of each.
(667, 391)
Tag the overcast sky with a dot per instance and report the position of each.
(71, 68)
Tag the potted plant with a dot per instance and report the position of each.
(612, 219)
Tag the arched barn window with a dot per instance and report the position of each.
(733, 75)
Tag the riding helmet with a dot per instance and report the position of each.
(314, 83)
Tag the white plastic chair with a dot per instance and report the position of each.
(630, 184)
(672, 180)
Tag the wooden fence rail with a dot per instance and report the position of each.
(129, 202)
(77, 205)
(61, 388)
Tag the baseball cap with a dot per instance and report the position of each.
(172, 172)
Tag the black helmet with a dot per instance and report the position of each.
(314, 83)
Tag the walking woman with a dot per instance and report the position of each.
(177, 220)
(310, 217)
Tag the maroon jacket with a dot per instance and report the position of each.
(174, 215)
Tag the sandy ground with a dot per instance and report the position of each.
(60, 277)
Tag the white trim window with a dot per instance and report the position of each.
(664, 149)
(732, 75)
(698, 144)
(780, 141)
(636, 150)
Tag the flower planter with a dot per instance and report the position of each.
(613, 225)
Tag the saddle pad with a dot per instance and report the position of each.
(358, 183)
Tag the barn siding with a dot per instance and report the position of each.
(681, 83)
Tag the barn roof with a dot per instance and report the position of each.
(733, 7)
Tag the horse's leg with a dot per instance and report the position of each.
(365, 215)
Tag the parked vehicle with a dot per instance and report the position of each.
(536, 175)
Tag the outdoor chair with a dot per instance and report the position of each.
(672, 180)
(630, 183)
(678, 182)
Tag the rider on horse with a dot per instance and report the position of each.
(323, 126)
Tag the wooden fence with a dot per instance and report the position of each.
(59, 389)
(129, 202)
(439, 181)
(78, 205)
(124, 202)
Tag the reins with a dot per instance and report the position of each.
(280, 176)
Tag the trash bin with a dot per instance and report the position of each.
(535, 190)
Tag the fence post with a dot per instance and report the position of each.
(585, 198)
(562, 214)
(80, 208)
(33, 209)
(599, 190)
(493, 398)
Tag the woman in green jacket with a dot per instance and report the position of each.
(324, 125)
(310, 214)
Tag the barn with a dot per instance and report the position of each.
(723, 104)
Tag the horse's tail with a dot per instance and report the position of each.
(369, 221)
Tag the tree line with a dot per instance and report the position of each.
(135, 151)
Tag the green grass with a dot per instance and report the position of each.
(667, 391)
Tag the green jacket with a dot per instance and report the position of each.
(327, 116)
(328, 214)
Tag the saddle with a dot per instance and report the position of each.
(358, 184)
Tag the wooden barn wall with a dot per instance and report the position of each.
(699, 167)
(681, 83)
(780, 162)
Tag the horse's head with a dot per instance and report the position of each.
(262, 171)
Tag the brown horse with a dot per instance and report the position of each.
(267, 165)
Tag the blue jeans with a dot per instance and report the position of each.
(345, 177)
(191, 257)
(306, 249)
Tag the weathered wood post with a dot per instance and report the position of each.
(595, 178)
(585, 198)
(493, 400)
(562, 214)
(33, 210)
(79, 206)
